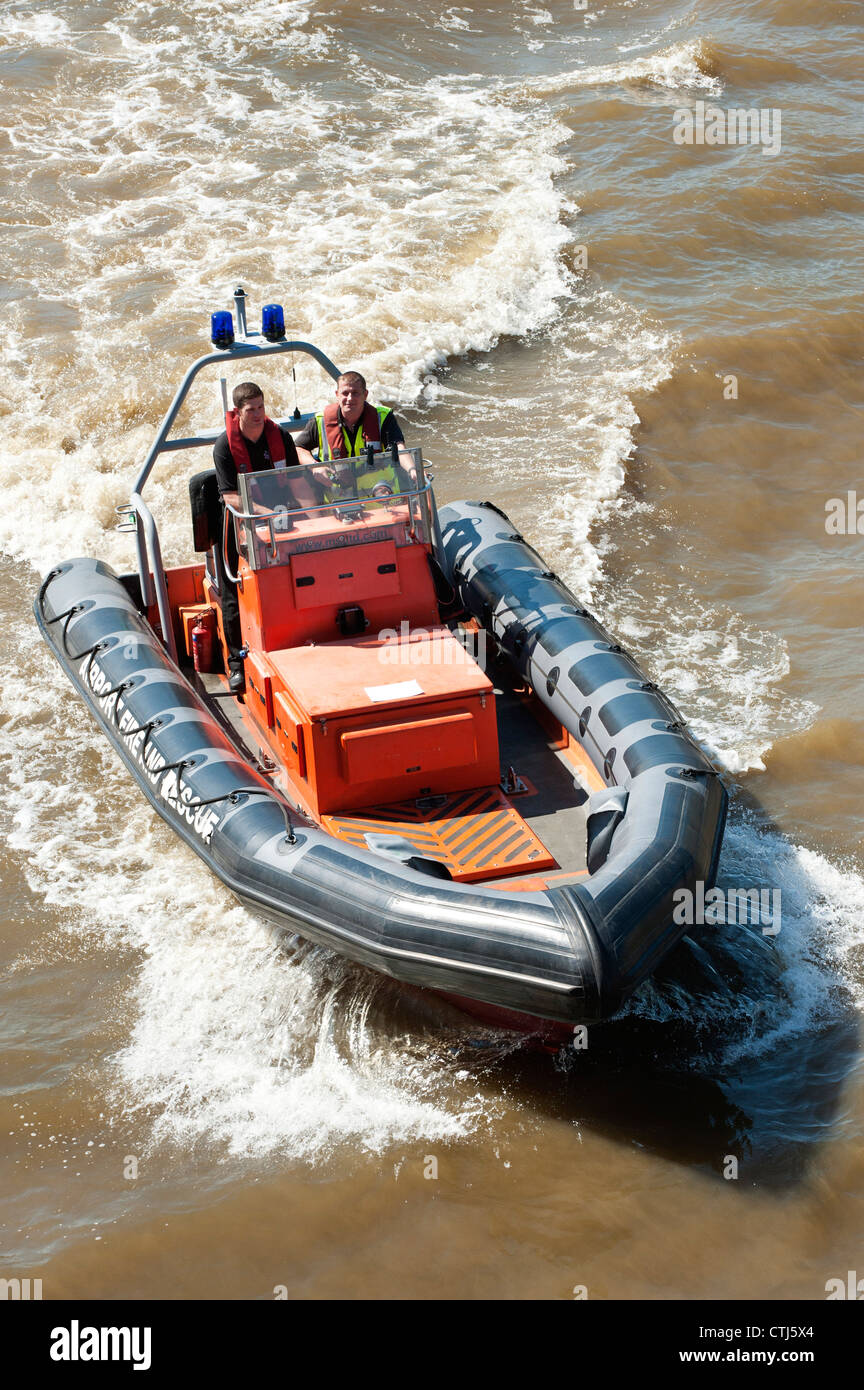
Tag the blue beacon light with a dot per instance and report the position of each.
(273, 323)
(222, 329)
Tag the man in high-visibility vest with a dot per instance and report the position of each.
(345, 430)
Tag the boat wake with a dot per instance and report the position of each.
(751, 985)
(277, 1047)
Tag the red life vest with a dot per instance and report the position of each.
(369, 424)
(237, 444)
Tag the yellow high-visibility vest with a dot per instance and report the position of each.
(367, 479)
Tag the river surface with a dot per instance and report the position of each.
(650, 354)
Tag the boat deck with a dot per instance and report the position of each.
(555, 804)
(480, 834)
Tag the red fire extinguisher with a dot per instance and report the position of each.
(202, 642)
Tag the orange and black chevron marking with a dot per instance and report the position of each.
(476, 834)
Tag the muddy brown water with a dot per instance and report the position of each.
(650, 355)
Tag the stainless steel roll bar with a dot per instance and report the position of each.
(151, 571)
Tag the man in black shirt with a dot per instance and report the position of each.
(251, 443)
(258, 438)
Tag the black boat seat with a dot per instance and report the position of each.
(206, 510)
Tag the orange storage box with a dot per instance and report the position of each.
(385, 720)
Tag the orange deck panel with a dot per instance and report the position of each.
(334, 678)
(475, 834)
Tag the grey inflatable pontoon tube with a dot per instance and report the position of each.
(572, 953)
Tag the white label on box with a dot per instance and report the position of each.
(401, 690)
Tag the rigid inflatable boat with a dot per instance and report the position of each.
(443, 766)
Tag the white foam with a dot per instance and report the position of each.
(426, 270)
(795, 982)
(277, 25)
(266, 1054)
(678, 68)
(616, 354)
(35, 28)
(453, 19)
(727, 675)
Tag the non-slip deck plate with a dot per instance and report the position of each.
(476, 834)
